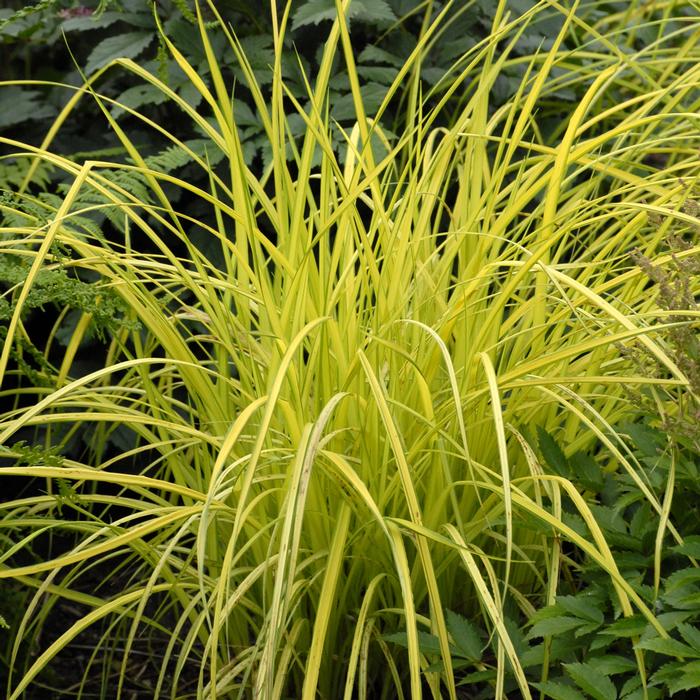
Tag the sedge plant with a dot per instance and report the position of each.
(329, 370)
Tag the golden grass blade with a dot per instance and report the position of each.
(493, 611)
(326, 602)
(414, 510)
(503, 459)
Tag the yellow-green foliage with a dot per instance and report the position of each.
(340, 364)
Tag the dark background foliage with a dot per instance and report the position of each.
(52, 39)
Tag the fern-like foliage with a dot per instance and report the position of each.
(56, 286)
(28, 11)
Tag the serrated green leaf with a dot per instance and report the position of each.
(682, 578)
(645, 694)
(688, 681)
(580, 607)
(558, 691)
(138, 96)
(128, 45)
(533, 656)
(684, 581)
(630, 686)
(683, 599)
(667, 672)
(600, 642)
(477, 677)
(342, 103)
(677, 676)
(546, 613)
(373, 54)
(610, 665)
(93, 21)
(671, 620)
(429, 643)
(135, 12)
(314, 12)
(18, 105)
(633, 690)
(586, 629)
(189, 92)
(432, 75)
(552, 453)
(554, 625)
(587, 470)
(690, 547)
(670, 647)
(465, 635)
(611, 520)
(691, 634)
(576, 523)
(646, 439)
(642, 521)
(244, 115)
(626, 627)
(260, 52)
(377, 12)
(591, 680)
(378, 74)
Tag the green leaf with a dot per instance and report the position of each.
(645, 694)
(554, 626)
(533, 656)
(680, 677)
(477, 677)
(610, 665)
(683, 598)
(18, 105)
(691, 634)
(244, 115)
(432, 75)
(682, 578)
(611, 520)
(86, 22)
(373, 54)
(558, 691)
(137, 96)
(646, 439)
(429, 643)
(626, 627)
(580, 607)
(589, 678)
(314, 12)
(690, 680)
(377, 12)
(690, 547)
(671, 620)
(587, 629)
(465, 635)
(552, 453)
(260, 51)
(189, 93)
(670, 647)
(128, 45)
(576, 523)
(668, 672)
(587, 470)
(630, 686)
(378, 74)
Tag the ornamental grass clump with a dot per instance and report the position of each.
(311, 426)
